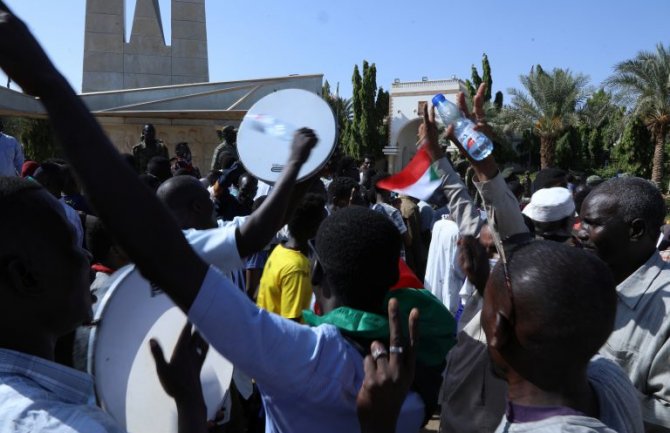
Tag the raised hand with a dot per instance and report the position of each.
(428, 134)
(180, 377)
(304, 141)
(478, 116)
(473, 258)
(388, 375)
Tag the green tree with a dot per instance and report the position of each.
(367, 132)
(352, 139)
(475, 80)
(37, 137)
(547, 106)
(342, 109)
(601, 123)
(634, 153)
(368, 127)
(382, 109)
(644, 82)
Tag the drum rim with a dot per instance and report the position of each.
(318, 168)
(97, 319)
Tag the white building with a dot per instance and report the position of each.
(405, 115)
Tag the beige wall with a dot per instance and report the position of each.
(200, 135)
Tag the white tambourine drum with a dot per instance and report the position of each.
(265, 154)
(130, 313)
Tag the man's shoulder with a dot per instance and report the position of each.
(558, 424)
(8, 138)
(26, 406)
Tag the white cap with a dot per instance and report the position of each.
(550, 204)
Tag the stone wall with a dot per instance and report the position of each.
(201, 136)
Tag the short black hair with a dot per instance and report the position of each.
(345, 166)
(635, 198)
(558, 292)
(17, 205)
(50, 176)
(307, 217)
(581, 191)
(151, 181)
(374, 189)
(182, 150)
(10, 186)
(549, 177)
(98, 240)
(159, 166)
(359, 250)
(340, 188)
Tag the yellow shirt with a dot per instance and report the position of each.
(286, 285)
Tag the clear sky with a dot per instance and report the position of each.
(406, 39)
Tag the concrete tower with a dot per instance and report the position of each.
(104, 45)
(146, 60)
(190, 63)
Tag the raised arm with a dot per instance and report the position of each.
(130, 210)
(501, 205)
(263, 224)
(461, 206)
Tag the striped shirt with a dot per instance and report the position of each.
(37, 395)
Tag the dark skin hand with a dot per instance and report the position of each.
(180, 378)
(131, 212)
(473, 258)
(485, 169)
(389, 377)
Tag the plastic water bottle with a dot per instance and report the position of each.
(272, 126)
(477, 144)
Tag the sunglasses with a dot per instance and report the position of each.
(317, 269)
(504, 262)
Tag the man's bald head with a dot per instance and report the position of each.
(189, 202)
(560, 313)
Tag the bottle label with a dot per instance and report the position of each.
(466, 137)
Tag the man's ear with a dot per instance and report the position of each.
(502, 332)
(22, 280)
(637, 229)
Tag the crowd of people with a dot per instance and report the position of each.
(500, 307)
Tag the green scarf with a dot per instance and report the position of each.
(437, 327)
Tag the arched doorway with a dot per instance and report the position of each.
(406, 142)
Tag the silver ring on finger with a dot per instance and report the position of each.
(396, 349)
(378, 353)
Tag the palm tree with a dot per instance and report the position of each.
(547, 106)
(644, 82)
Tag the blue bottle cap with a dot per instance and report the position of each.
(437, 99)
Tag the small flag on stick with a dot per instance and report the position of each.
(418, 179)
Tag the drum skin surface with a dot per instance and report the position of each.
(127, 385)
(264, 155)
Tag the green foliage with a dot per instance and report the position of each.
(351, 140)
(37, 137)
(343, 110)
(546, 106)
(476, 80)
(643, 82)
(635, 151)
(368, 127)
(382, 109)
(367, 132)
(486, 78)
(498, 101)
